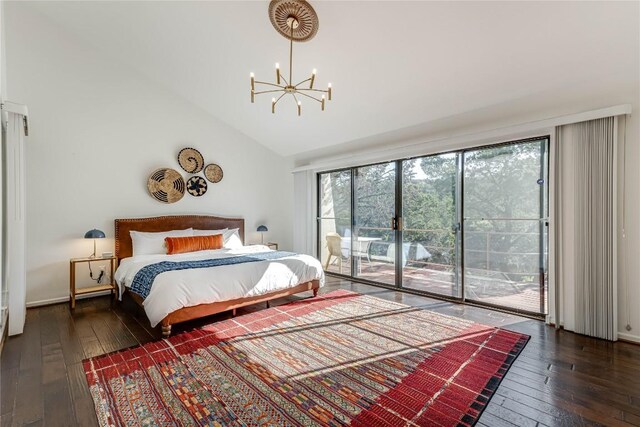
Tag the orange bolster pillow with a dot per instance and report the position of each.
(180, 245)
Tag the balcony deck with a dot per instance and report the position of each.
(482, 286)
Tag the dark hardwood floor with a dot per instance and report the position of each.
(559, 379)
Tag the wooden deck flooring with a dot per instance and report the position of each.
(559, 379)
(481, 286)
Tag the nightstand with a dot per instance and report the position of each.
(73, 292)
(272, 245)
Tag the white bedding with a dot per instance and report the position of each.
(173, 290)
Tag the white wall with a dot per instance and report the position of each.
(97, 131)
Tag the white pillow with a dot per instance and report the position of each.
(232, 239)
(163, 234)
(147, 243)
(209, 232)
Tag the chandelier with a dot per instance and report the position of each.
(297, 21)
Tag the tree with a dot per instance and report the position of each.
(500, 183)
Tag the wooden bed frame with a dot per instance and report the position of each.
(124, 249)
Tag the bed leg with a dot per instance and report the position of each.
(233, 312)
(268, 305)
(315, 292)
(166, 330)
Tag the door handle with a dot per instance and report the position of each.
(396, 223)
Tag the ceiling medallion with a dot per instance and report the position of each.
(297, 21)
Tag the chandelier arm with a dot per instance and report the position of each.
(285, 80)
(267, 91)
(269, 84)
(304, 81)
(279, 98)
(309, 96)
(312, 90)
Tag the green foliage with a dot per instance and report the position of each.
(499, 182)
(429, 205)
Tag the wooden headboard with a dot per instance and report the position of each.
(124, 247)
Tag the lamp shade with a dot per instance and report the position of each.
(94, 234)
(262, 228)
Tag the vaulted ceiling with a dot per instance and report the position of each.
(392, 64)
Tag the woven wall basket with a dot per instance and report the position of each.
(166, 185)
(213, 173)
(190, 160)
(196, 186)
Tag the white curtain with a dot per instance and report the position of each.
(304, 211)
(584, 183)
(14, 253)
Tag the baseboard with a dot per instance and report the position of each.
(58, 300)
(629, 337)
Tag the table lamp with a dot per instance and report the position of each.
(262, 229)
(94, 234)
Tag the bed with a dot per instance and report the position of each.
(199, 293)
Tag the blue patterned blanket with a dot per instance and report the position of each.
(143, 280)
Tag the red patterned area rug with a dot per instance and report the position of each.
(335, 360)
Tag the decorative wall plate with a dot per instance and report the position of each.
(197, 186)
(213, 173)
(166, 185)
(190, 160)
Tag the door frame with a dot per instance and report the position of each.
(398, 231)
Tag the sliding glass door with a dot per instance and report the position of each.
(374, 233)
(505, 225)
(430, 232)
(334, 221)
(470, 225)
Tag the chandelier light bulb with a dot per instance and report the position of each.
(313, 78)
(299, 108)
(277, 65)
